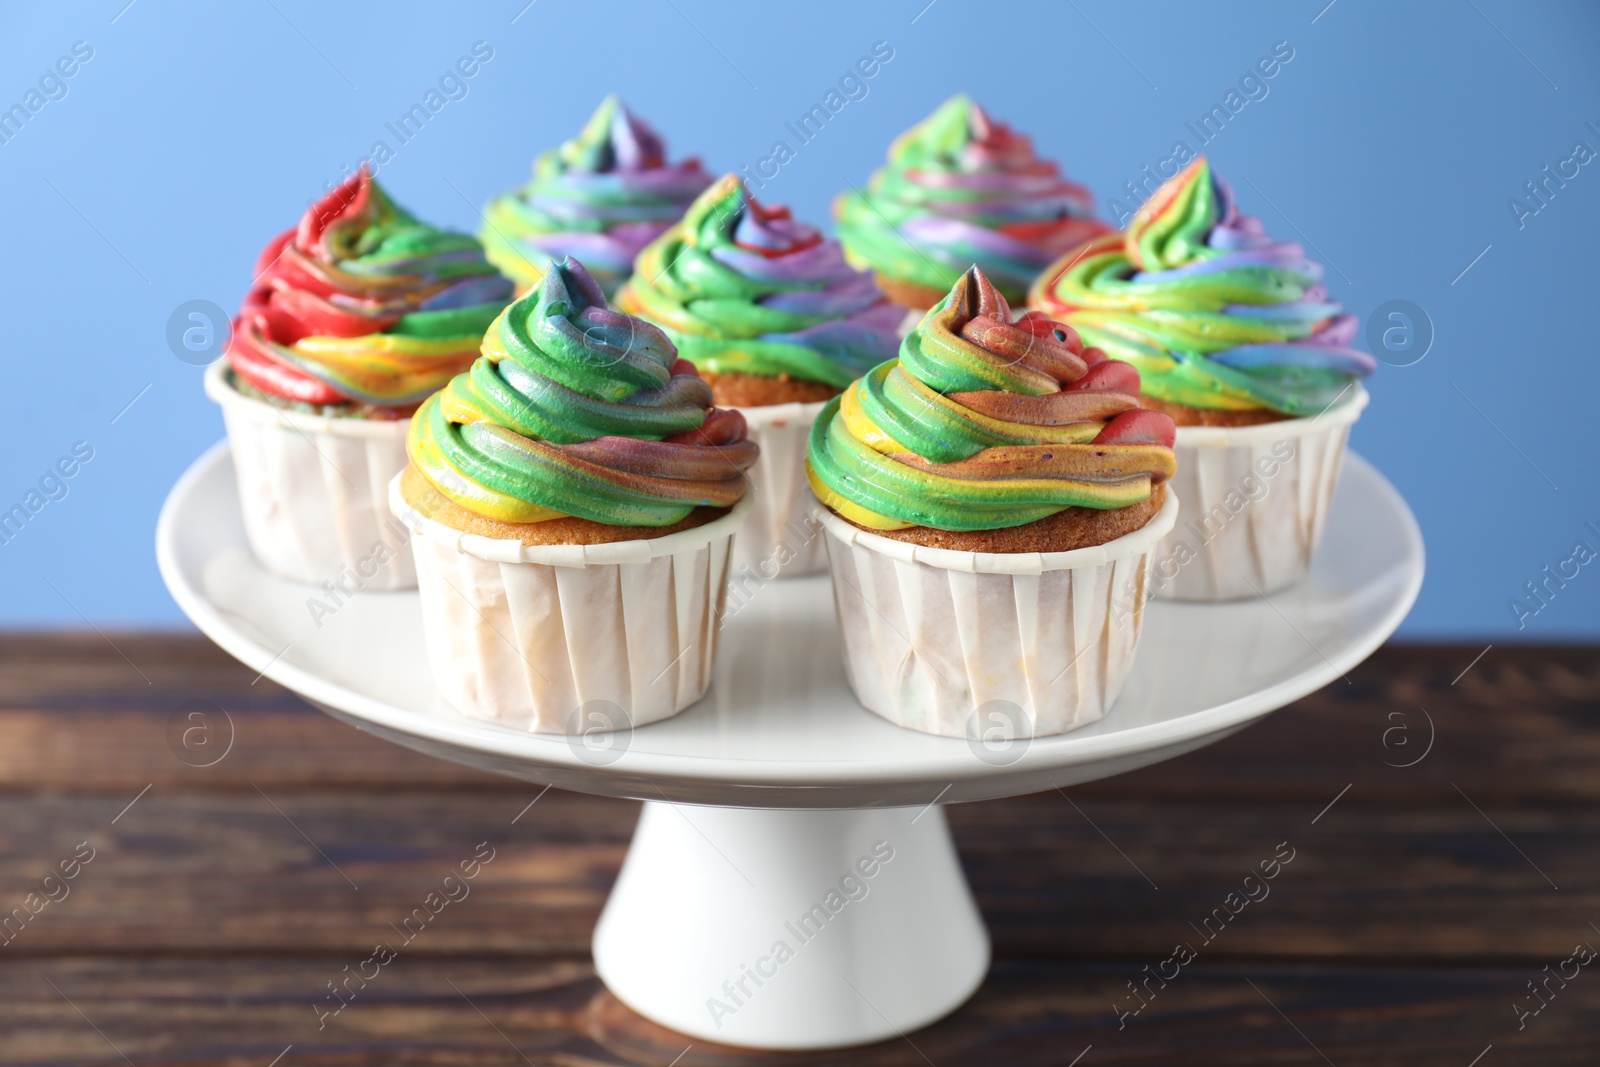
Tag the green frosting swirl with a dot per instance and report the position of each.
(575, 409)
(744, 288)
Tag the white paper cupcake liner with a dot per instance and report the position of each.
(313, 491)
(989, 644)
(1255, 499)
(568, 639)
(783, 539)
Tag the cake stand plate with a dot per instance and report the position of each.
(792, 882)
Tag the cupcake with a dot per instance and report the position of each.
(356, 315)
(961, 189)
(778, 323)
(600, 197)
(573, 496)
(1235, 337)
(993, 494)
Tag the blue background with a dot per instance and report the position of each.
(1391, 142)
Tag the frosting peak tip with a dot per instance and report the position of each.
(572, 274)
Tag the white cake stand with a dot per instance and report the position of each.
(792, 883)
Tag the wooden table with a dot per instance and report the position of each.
(222, 901)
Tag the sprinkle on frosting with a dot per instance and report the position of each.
(741, 287)
(600, 197)
(962, 189)
(1213, 312)
(576, 409)
(984, 423)
(363, 304)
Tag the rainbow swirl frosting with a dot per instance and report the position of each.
(983, 423)
(740, 287)
(1213, 312)
(962, 189)
(576, 409)
(600, 197)
(361, 304)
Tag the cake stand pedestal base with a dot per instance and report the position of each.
(779, 929)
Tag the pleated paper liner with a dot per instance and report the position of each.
(989, 644)
(781, 539)
(1255, 500)
(571, 639)
(313, 491)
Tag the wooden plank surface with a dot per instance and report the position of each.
(220, 899)
(468, 1011)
